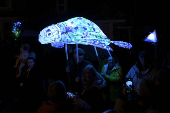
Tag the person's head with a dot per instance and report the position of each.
(30, 62)
(145, 91)
(145, 87)
(80, 54)
(24, 47)
(145, 58)
(57, 91)
(111, 62)
(89, 73)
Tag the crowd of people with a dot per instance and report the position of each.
(37, 86)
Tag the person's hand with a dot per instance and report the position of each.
(77, 79)
(67, 69)
(77, 99)
(97, 82)
(103, 74)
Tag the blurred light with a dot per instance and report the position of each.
(16, 29)
(151, 37)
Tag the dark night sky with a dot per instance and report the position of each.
(150, 12)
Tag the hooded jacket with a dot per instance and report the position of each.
(114, 82)
(135, 74)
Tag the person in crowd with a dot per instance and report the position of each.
(142, 102)
(103, 60)
(75, 69)
(60, 103)
(46, 65)
(143, 68)
(24, 54)
(112, 73)
(93, 83)
(31, 87)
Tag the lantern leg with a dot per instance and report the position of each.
(96, 51)
(77, 86)
(77, 53)
(68, 67)
(109, 53)
(97, 55)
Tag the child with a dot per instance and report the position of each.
(24, 54)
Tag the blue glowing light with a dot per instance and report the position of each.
(122, 44)
(16, 29)
(151, 37)
(77, 30)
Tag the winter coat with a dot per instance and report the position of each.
(92, 92)
(76, 71)
(114, 82)
(134, 73)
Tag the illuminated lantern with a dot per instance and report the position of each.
(77, 30)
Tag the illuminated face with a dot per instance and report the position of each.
(111, 62)
(88, 75)
(30, 63)
(50, 34)
(143, 60)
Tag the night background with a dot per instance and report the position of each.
(122, 20)
(129, 21)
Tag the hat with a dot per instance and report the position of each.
(79, 50)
